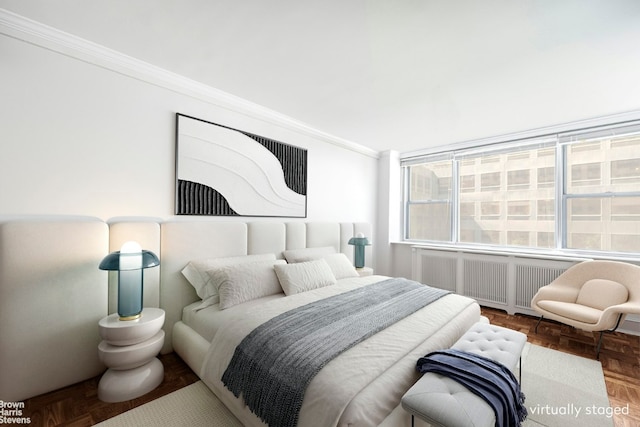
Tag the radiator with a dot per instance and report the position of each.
(439, 272)
(502, 281)
(531, 277)
(486, 279)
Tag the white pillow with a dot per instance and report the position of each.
(307, 254)
(341, 266)
(244, 282)
(304, 276)
(196, 273)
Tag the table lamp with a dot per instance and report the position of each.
(359, 242)
(130, 262)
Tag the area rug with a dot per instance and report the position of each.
(562, 390)
(192, 406)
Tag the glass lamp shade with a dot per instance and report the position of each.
(112, 261)
(359, 242)
(130, 262)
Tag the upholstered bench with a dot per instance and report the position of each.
(441, 401)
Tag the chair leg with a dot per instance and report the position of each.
(602, 333)
(539, 320)
(599, 345)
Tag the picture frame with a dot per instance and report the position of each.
(221, 171)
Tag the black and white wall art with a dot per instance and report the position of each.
(224, 171)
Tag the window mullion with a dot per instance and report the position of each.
(455, 205)
(561, 201)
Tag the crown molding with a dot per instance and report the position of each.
(38, 34)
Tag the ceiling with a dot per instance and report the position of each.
(401, 75)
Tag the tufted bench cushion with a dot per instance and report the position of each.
(442, 401)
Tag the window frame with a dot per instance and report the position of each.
(560, 142)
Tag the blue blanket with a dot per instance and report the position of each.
(490, 380)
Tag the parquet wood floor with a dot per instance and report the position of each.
(619, 356)
(78, 405)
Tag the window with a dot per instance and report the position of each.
(626, 209)
(519, 210)
(490, 181)
(518, 238)
(602, 195)
(585, 174)
(545, 210)
(545, 239)
(623, 171)
(518, 179)
(429, 206)
(584, 209)
(467, 183)
(576, 190)
(546, 177)
(504, 214)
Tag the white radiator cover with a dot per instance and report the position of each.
(504, 281)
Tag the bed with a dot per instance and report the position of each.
(363, 385)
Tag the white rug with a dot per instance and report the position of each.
(562, 391)
(191, 406)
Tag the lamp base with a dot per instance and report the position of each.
(134, 317)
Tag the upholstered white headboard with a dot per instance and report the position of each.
(52, 296)
(186, 240)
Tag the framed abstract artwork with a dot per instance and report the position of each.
(227, 172)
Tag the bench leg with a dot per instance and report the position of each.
(520, 371)
(412, 420)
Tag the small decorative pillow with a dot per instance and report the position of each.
(340, 266)
(602, 293)
(307, 254)
(244, 282)
(196, 273)
(304, 276)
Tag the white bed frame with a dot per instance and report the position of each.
(183, 241)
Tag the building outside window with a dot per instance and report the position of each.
(575, 191)
(430, 198)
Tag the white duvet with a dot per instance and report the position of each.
(365, 383)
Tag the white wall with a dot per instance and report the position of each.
(79, 137)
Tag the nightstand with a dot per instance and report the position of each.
(365, 271)
(129, 350)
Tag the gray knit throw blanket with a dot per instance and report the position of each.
(273, 365)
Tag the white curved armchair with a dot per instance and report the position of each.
(592, 296)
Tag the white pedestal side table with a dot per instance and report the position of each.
(129, 350)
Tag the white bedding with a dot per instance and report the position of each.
(207, 321)
(362, 385)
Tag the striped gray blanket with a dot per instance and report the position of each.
(273, 365)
